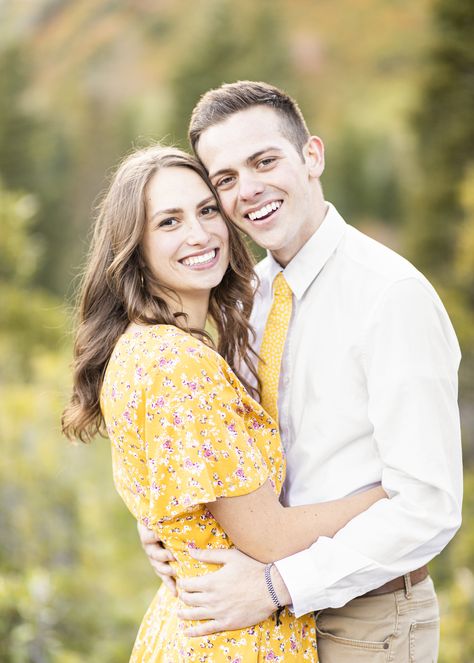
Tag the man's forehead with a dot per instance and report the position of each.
(234, 140)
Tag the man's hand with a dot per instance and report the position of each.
(158, 557)
(233, 597)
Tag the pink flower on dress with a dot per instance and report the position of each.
(207, 449)
(139, 488)
(177, 420)
(158, 402)
(189, 465)
(240, 473)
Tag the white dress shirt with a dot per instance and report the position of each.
(367, 395)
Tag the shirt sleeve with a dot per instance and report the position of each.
(198, 447)
(410, 360)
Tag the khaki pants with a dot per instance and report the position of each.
(401, 627)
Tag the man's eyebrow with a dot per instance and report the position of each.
(248, 160)
(255, 155)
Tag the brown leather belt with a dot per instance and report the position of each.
(403, 582)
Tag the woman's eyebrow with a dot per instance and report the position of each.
(171, 210)
(206, 201)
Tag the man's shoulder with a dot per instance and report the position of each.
(375, 260)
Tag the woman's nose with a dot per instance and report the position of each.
(197, 233)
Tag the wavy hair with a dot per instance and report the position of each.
(118, 288)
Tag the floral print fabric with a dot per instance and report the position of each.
(184, 432)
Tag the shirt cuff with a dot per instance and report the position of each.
(311, 574)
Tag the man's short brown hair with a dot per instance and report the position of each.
(218, 104)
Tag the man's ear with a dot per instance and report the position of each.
(313, 154)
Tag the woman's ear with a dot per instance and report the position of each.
(313, 154)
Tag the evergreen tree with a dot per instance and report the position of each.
(445, 136)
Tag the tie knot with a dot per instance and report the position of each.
(281, 287)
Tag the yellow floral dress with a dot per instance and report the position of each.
(185, 432)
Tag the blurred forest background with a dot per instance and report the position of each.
(389, 85)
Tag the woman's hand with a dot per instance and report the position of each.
(158, 557)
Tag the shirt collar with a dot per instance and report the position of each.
(311, 258)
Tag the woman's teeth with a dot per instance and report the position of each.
(264, 211)
(199, 260)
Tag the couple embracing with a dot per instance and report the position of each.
(291, 478)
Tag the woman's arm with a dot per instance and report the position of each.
(267, 531)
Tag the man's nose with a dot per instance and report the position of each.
(249, 187)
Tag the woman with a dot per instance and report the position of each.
(195, 457)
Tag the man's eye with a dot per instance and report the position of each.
(267, 161)
(224, 181)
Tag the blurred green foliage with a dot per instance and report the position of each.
(388, 86)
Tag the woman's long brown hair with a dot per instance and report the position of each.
(117, 289)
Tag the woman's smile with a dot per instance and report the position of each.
(201, 261)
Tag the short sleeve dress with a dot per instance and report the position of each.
(185, 432)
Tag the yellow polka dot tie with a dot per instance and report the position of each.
(273, 342)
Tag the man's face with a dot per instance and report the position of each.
(268, 188)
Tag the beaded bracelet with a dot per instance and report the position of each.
(270, 587)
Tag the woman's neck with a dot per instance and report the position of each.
(196, 308)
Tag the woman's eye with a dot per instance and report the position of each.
(167, 223)
(209, 210)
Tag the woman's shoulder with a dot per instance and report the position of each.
(165, 347)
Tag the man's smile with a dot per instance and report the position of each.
(264, 211)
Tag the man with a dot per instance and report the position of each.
(367, 394)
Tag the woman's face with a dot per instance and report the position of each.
(186, 239)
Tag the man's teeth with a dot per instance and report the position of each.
(264, 211)
(199, 260)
